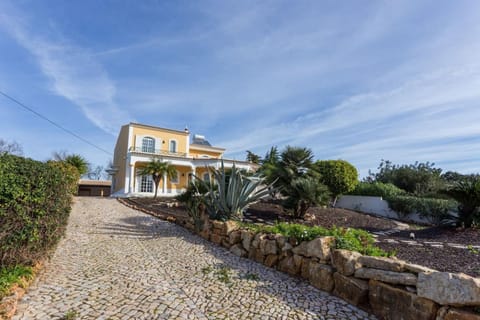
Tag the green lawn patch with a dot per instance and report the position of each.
(10, 276)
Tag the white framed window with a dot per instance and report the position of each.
(146, 184)
(175, 178)
(206, 177)
(148, 145)
(173, 146)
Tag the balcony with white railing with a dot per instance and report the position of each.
(157, 152)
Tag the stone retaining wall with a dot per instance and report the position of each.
(387, 287)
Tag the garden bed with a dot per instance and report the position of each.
(445, 258)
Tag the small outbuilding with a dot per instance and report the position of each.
(94, 188)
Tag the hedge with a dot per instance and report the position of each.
(377, 189)
(436, 211)
(35, 202)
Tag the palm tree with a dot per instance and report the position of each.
(295, 162)
(157, 169)
(304, 193)
(467, 193)
(75, 160)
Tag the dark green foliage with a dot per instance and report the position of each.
(13, 275)
(418, 178)
(377, 189)
(436, 211)
(252, 157)
(194, 200)
(338, 175)
(467, 193)
(75, 160)
(350, 239)
(303, 193)
(35, 201)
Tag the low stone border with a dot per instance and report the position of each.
(387, 287)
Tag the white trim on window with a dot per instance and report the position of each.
(148, 144)
(175, 149)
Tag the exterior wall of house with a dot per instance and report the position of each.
(120, 159)
(201, 153)
(162, 138)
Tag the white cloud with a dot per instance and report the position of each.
(74, 73)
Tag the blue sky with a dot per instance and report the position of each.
(354, 80)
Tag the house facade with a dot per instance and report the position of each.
(138, 144)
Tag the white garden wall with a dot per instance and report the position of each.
(374, 205)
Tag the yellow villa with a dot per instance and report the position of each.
(138, 144)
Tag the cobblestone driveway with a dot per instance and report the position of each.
(118, 263)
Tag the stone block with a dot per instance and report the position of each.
(216, 238)
(268, 247)
(321, 276)
(317, 248)
(281, 240)
(257, 238)
(271, 260)
(238, 250)
(382, 263)
(458, 314)
(406, 279)
(455, 289)
(354, 291)
(396, 304)
(235, 237)
(229, 226)
(217, 226)
(290, 265)
(256, 254)
(415, 268)
(345, 261)
(247, 237)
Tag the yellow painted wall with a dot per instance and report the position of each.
(182, 179)
(119, 161)
(165, 135)
(198, 153)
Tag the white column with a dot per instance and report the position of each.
(164, 183)
(132, 177)
(127, 177)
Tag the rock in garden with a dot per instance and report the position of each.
(407, 279)
(455, 289)
(238, 250)
(345, 261)
(458, 314)
(382, 263)
(355, 291)
(392, 303)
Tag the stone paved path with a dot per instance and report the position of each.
(118, 263)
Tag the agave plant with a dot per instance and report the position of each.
(234, 193)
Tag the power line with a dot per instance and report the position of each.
(54, 123)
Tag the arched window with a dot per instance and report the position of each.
(148, 145)
(206, 177)
(173, 146)
(146, 184)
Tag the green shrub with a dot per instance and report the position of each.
(436, 211)
(338, 175)
(377, 189)
(346, 238)
(35, 200)
(13, 275)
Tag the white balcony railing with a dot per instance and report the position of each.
(158, 152)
